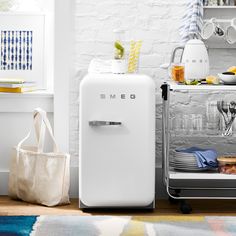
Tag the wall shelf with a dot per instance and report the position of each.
(219, 7)
(179, 87)
(175, 134)
(221, 12)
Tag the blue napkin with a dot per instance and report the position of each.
(205, 157)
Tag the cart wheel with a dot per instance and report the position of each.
(185, 208)
(173, 200)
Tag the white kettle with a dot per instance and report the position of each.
(195, 58)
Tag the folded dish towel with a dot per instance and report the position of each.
(99, 66)
(192, 21)
(205, 157)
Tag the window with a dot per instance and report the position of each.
(27, 41)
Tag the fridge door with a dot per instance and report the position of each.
(117, 141)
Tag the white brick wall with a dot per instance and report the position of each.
(156, 22)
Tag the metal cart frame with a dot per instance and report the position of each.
(174, 191)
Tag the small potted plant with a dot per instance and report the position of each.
(119, 65)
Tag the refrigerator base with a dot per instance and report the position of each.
(83, 207)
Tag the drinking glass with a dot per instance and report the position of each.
(196, 124)
(212, 2)
(212, 118)
(181, 124)
(177, 72)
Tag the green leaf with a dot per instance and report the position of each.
(119, 50)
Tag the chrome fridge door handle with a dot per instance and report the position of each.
(103, 123)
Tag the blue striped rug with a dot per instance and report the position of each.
(16, 225)
(117, 226)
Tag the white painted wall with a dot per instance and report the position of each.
(156, 22)
(16, 115)
(62, 66)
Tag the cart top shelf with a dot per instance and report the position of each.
(178, 87)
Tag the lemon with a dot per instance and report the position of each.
(193, 82)
(211, 79)
(232, 69)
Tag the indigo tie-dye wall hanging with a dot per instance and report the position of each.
(16, 50)
(22, 47)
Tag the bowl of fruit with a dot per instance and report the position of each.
(229, 77)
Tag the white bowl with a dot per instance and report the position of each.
(227, 79)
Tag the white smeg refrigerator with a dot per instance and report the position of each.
(117, 141)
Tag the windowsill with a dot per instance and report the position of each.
(34, 94)
(26, 102)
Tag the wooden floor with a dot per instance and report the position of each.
(200, 208)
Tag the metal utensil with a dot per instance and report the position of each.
(219, 107)
(225, 109)
(232, 109)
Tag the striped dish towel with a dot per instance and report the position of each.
(192, 21)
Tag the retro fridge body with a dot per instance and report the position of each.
(117, 141)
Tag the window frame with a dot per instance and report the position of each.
(63, 62)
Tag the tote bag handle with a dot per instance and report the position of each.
(39, 125)
(40, 115)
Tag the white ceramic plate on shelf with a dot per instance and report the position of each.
(183, 164)
(184, 159)
(191, 169)
(184, 154)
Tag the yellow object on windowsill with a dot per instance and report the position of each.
(11, 81)
(17, 90)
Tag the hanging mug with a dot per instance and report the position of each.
(231, 32)
(211, 28)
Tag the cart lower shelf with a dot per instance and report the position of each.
(200, 176)
(202, 180)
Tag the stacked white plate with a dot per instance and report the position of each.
(185, 162)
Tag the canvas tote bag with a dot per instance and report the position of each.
(37, 176)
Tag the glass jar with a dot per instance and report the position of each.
(119, 45)
(223, 2)
(212, 2)
(177, 72)
(119, 63)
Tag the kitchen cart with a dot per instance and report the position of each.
(181, 185)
